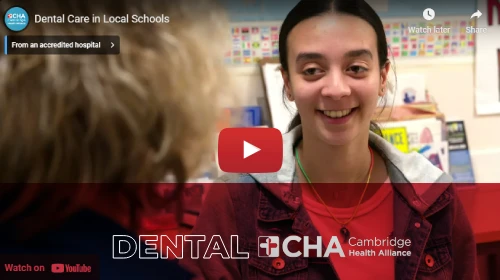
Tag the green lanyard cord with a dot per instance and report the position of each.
(300, 165)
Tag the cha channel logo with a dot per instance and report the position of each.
(16, 19)
(269, 246)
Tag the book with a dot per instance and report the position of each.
(459, 156)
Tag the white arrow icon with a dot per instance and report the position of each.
(112, 45)
(249, 149)
(477, 14)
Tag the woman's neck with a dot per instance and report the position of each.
(325, 163)
(339, 165)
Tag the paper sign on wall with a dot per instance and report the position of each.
(398, 137)
(410, 88)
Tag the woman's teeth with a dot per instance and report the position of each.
(337, 114)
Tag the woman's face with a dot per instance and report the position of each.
(334, 76)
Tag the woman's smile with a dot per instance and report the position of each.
(337, 117)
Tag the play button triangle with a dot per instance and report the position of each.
(249, 149)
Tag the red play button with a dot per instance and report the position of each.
(250, 150)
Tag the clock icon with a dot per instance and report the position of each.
(429, 14)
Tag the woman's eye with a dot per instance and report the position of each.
(357, 69)
(311, 71)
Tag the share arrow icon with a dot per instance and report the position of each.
(477, 14)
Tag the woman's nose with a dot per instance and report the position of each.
(336, 86)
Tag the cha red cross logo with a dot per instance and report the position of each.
(9, 15)
(269, 246)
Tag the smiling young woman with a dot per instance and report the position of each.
(339, 177)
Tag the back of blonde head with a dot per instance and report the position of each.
(133, 117)
(129, 118)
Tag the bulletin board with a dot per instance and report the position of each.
(252, 42)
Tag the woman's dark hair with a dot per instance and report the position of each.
(306, 9)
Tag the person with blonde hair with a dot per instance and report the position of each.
(78, 133)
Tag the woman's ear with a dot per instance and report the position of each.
(383, 78)
(287, 88)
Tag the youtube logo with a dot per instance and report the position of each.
(250, 150)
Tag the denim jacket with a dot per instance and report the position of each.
(429, 214)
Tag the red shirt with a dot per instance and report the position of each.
(374, 221)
